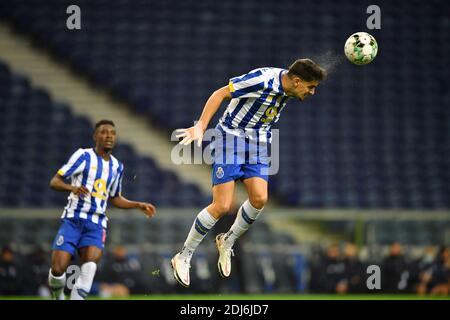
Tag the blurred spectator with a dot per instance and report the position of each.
(394, 271)
(422, 270)
(353, 270)
(37, 273)
(11, 282)
(122, 270)
(440, 275)
(328, 275)
(428, 258)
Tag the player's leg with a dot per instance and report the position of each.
(249, 211)
(205, 220)
(257, 190)
(247, 214)
(64, 248)
(57, 273)
(89, 257)
(222, 199)
(90, 247)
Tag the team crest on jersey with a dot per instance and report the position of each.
(219, 173)
(60, 240)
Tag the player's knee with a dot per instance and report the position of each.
(59, 265)
(258, 201)
(222, 208)
(58, 269)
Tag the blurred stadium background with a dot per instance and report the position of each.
(364, 173)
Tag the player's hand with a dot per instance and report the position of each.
(80, 191)
(191, 134)
(147, 208)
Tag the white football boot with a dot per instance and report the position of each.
(181, 270)
(225, 253)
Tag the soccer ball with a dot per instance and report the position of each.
(361, 48)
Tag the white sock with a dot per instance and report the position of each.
(201, 226)
(84, 282)
(57, 285)
(246, 215)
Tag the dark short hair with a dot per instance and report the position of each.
(307, 70)
(102, 122)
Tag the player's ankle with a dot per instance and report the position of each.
(186, 254)
(228, 244)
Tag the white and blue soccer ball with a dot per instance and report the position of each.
(361, 48)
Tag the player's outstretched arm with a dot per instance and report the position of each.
(121, 202)
(211, 107)
(57, 183)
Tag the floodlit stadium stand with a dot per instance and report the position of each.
(372, 137)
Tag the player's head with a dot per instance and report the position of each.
(105, 135)
(304, 76)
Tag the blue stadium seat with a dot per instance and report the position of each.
(39, 135)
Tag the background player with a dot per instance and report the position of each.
(96, 175)
(257, 100)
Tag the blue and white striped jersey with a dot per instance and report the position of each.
(257, 101)
(102, 178)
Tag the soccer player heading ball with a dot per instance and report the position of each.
(257, 99)
(96, 175)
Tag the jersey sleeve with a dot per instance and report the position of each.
(116, 188)
(75, 164)
(247, 85)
